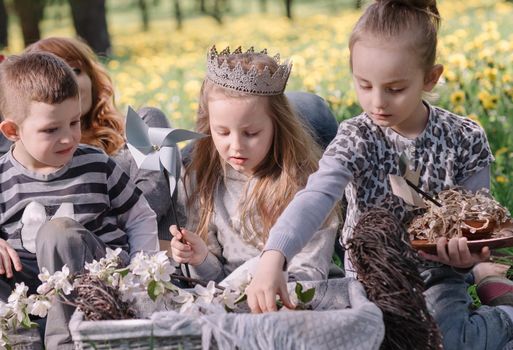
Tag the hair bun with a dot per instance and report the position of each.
(427, 6)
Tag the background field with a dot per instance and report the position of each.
(164, 67)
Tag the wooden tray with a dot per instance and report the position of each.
(474, 246)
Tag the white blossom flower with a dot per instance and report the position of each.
(206, 294)
(19, 292)
(40, 306)
(18, 301)
(140, 267)
(162, 267)
(44, 275)
(228, 298)
(61, 280)
(112, 255)
(183, 297)
(94, 267)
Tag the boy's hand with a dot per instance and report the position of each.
(8, 258)
(267, 283)
(193, 251)
(455, 253)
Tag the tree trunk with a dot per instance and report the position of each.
(202, 6)
(30, 13)
(358, 4)
(178, 14)
(4, 23)
(217, 13)
(89, 18)
(144, 14)
(288, 6)
(263, 6)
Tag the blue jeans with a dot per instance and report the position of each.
(316, 112)
(486, 328)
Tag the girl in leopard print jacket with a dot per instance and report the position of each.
(392, 58)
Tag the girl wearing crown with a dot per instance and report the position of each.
(241, 178)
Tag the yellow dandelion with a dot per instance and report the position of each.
(488, 101)
(459, 109)
(458, 97)
(490, 74)
(501, 151)
(450, 76)
(501, 179)
(113, 64)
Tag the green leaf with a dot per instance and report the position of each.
(151, 290)
(308, 295)
(299, 289)
(26, 322)
(124, 272)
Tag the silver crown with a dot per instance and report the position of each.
(251, 81)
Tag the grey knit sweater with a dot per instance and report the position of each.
(229, 246)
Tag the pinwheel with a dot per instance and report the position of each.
(406, 186)
(157, 149)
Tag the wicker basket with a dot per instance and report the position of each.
(25, 339)
(342, 318)
(128, 334)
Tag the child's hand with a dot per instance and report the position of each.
(267, 283)
(193, 251)
(455, 253)
(8, 255)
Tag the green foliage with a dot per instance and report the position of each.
(304, 296)
(152, 290)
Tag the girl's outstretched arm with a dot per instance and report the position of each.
(268, 282)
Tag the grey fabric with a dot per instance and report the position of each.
(343, 318)
(230, 245)
(316, 112)
(60, 242)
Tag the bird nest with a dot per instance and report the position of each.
(99, 301)
(386, 265)
(475, 215)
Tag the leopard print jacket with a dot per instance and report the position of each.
(450, 150)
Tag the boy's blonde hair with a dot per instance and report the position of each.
(33, 77)
(103, 125)
(292, 158)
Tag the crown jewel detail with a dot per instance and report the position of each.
(252, 81)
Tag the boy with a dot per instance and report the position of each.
(60, 202)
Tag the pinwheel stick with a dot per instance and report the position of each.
(173, 208)
(424, 194)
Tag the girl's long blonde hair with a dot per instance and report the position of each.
(102, 126)
(292, 158)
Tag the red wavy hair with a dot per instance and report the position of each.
(102, 125)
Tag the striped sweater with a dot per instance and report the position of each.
(105, 201)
